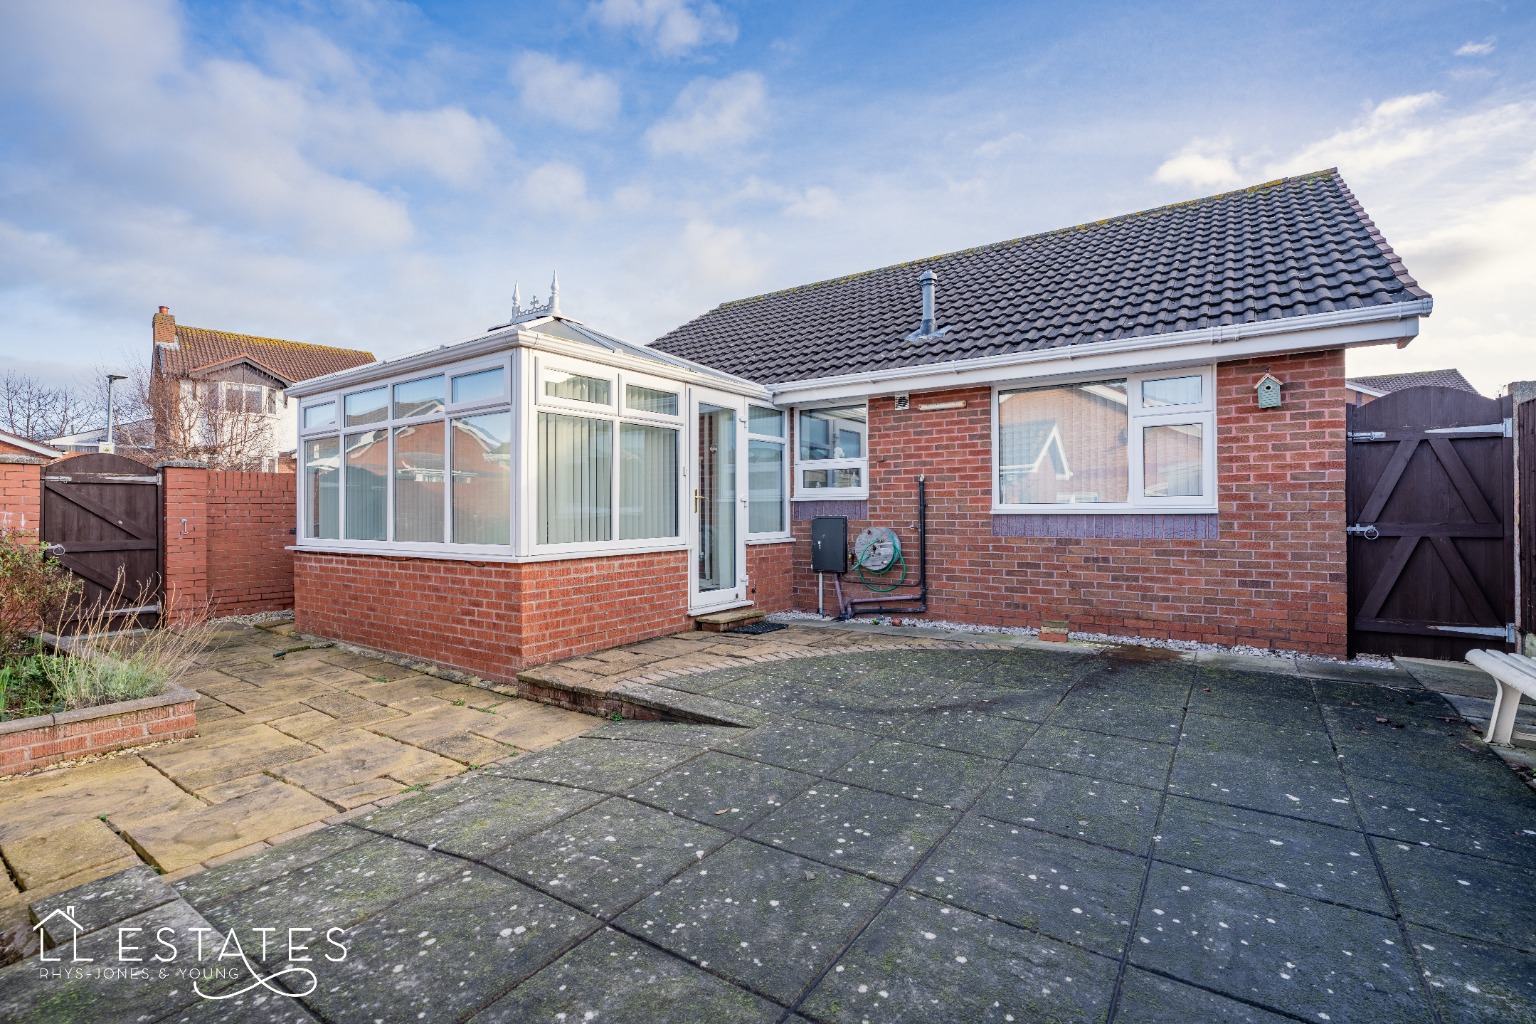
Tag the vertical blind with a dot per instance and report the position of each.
(365, 469)
(482, 479)
(419, 482)
(575, 480)
(647, 482)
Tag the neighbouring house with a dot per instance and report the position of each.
(1135, 426)
(133, 438)
(15, 444)
(1366, 389)
(219, 397)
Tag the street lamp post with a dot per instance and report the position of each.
(111, 445)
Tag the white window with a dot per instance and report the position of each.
(234, 396)
(833, 460)
(767, 472)
(1143, 442)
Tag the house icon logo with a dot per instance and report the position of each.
(68, 914)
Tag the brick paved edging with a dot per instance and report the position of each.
(29, 743)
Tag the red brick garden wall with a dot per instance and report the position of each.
(29, 743)
(1273, 577)
(21, 494)
(250, 526)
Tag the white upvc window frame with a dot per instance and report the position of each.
(339, 430)
(802, 465)
(615, 413)
(785, 441)
(1138, 417)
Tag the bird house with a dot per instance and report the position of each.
(1268, 389)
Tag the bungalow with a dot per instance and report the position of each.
(1135, 426)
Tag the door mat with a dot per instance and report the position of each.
(759, 627)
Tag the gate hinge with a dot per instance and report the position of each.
(1363, 530)
(1367, 435)
(1509, 431)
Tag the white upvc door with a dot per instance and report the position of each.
(716, 460)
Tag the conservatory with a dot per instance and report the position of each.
(542, 440)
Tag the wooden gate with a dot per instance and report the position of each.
(102, 514)
(1430, 474)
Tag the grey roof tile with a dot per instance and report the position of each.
(1287, 248)
(1387, 383)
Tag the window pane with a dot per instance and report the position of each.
(833, 433)
(1064, 445)
(647, 482)
(367, 407)
(322, 473)
(419, 482)
(813, 479)
(323, 415)
(419, 397)
(576, 387)
(641, 399)
(482, 479)
(1171, 391)
(765, 487)
(367, 463)
(575, 479)
(1172, 460)
(765, 421)
(480, 387)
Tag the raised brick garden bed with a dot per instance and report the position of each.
(29, 743)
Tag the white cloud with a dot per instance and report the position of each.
(564, 91)
(711, 115)
(671, 27)
(555, 187)
(1202, 164)
(1481, 49)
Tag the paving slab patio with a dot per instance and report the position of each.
(905, 835)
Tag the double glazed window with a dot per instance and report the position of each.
(421, 461)
(1126, 443)
(767, 467)
(833, 459)
(605, 458)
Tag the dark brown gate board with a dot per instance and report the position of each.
(1430, 505)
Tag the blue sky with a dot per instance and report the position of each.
(377, 174)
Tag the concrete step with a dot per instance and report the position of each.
(719, 622)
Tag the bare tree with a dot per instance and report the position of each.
(222, 423)
(37, 411)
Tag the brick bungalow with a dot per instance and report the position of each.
(1091, 410)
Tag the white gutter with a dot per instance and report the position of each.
(1373, 325)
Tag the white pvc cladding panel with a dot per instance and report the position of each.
(517, 446)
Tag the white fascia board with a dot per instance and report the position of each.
(1377, 325)
(714, 379)
(450, 353)
(33, 446)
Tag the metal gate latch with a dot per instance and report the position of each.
(1368, 532)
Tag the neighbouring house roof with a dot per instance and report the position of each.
(198, 350)
(1386, 383)
(127, 434)
(15, 444)
(1287, 248)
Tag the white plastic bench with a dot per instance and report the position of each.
(1515, 674)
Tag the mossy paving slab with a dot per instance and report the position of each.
(477, 828)
(1114, 758)
(256, 1007)
(612, 977)
(1258, 708)
(445, 951)
(1476, 983)
(968, 731)
(804, 746)
(1302, 857)
(680, 733)
(338, 891)
(1406, 697)
(1283, 741)
(921, 962)
(717, 788)
(1146, 998)
(608, 766)
(1287, 953)
(874, 834)
(1229, 681)
(1093, 810)
(762, 917)
(774, 694)
(1023, 703)
(1467, 896)
(1064, 888)
(1118, 715)
(918, 772)
(219, 884)
(1501, 829)
(609, 855)
(104, 902)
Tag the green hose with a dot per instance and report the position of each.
(900, 560)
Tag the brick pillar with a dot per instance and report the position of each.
(21, 492)
(184, 496)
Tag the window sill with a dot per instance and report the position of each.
(770, 538)
(449, 553)
(832, 495)
(1104, 510)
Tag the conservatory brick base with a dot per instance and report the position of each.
(491, 618)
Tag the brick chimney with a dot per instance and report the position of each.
(165, 327)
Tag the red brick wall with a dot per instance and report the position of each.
(491, 618)
(1275, 577)
(21, 496)
(770, 576)
(86, 732)
(184, 496)
(250, 523)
